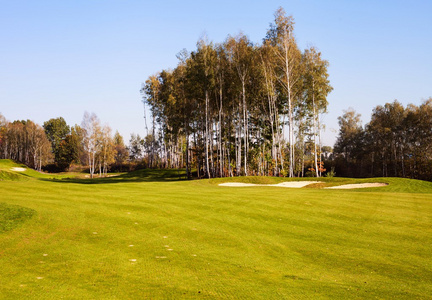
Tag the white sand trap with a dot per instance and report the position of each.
(17, 169)
(358, 186)
(294, 184)
(288, 184)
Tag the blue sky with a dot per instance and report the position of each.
(62, 58)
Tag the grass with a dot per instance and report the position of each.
(12, 216)
(229, 243)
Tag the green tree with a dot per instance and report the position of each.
(136, 147)
(57, 130)
(121, 152)
(350, 129)
(67, 152)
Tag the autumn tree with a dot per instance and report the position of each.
(25, 142)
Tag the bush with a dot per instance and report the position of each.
(331, 173)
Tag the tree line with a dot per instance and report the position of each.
(25, 142)
(55, 145)
(239, 108)
(396, 142)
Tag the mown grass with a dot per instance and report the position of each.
(195, 239)
(12, 216)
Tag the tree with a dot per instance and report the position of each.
(350, 129)
(67, 152)
(3, 131)
(205, 58)
(76, 141)
(91, 139)
(121, 152)
(385, 129)
(107, 150)
(268, 68)
(316, 89)
(63, 144)
(56, 131)
(135, 147)
(289, 67)
(240, 52)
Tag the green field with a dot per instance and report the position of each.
(148, 235)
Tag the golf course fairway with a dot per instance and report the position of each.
(149, 235)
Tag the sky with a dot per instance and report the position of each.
(63, 58)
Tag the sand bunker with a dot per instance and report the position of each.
(300, 184)
(358, 186)
(17, 169)
(288, 184)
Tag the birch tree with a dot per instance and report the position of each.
(91, 139)
(107, 152)
(240, 52)
(316, 88)
(281, 35)
(267, 60)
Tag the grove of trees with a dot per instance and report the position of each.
(396, 142)
(56, 145)
(238, 108)
(24, 141)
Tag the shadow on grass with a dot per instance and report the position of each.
(12, 216)
(144, 175)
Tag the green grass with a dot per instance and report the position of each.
(227, 243)
(12, 216)
(11, 176)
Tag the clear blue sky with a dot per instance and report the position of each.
(62, 58)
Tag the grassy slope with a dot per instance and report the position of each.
(255, 242)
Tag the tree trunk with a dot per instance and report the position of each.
(314, 131)
(245, 127)
(207, 135)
